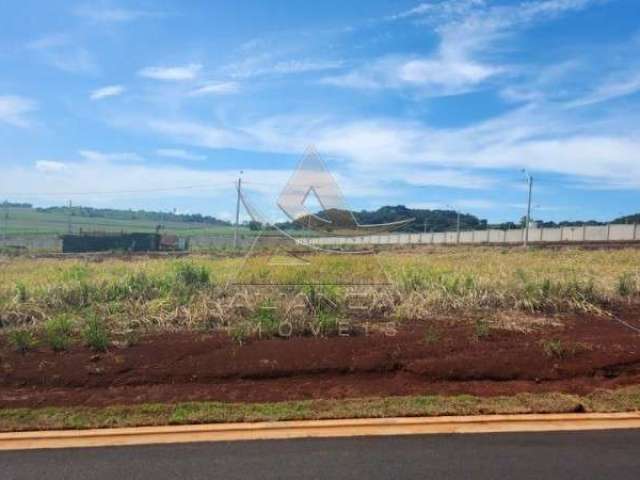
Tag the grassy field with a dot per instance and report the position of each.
(73, 418)
(118, 296)
(57, 308)
(25, 221)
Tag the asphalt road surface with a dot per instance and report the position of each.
(588, 455)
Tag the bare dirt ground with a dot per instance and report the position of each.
(571, 354)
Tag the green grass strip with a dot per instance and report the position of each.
(63, 418)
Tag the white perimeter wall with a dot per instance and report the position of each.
(608, 233)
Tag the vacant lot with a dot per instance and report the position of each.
(155, 294)
(485, 322)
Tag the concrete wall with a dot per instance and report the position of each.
(206, 242)
(48, 243)
(612, 233)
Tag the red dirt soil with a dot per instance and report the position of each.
(596, 353)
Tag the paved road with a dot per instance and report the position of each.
(588, 455)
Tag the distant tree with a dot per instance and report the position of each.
(254, 226)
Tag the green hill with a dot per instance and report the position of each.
(23, 219)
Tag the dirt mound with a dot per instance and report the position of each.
(576, 354)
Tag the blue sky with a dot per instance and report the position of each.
(159, 105)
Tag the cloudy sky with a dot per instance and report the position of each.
(160, 104)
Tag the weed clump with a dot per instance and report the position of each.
(413, 280)
(322, 298)
(58, 332)
(325, 324)
(95, 334)
(266, 320)
(481, 328)
(76, 273)
(21, 293)
(239, 332)
(192, 276)
(22, 340)
(626, 285)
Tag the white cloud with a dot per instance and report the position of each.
(94, 182)
(453, 73)
(198, 134)
(112, 15)
(433, 76)
(54, 40)
(539, 139)
(361, 79)
(442, 178)
(264, 64)
(464, 204)
(475, 204)
(177, 73)
(302, 66)
(469, 32)
(64, 53)
(441, 11)
(217, 88)
(97, 156)
(13, 109)
(109, 91)
(46, 166)
(179, 154)
(615, 86)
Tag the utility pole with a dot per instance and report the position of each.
(528, 219)
(70, 205)
(5, 218)
(457, 221)
(236, 232)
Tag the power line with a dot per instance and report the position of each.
(116, 192)
(117, 223)
(268, 184)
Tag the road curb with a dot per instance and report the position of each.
(317, 429)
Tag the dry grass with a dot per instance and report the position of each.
(165, 294)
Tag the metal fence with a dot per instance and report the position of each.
(584, 234)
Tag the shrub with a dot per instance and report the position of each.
(626, 285)
(554, 348)
(481, 328)
(266, 319)
(239, 332)
(77, 294)
(431, 335)
(76, 273)
(322, 298)
(22, 294)
(325, 323)
(96, 335)
(192, 276)
(22, 340)
(413, 280)
(133, 286)
(58, 332)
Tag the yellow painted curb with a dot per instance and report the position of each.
(317, 429)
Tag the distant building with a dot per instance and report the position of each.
(130, 242)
